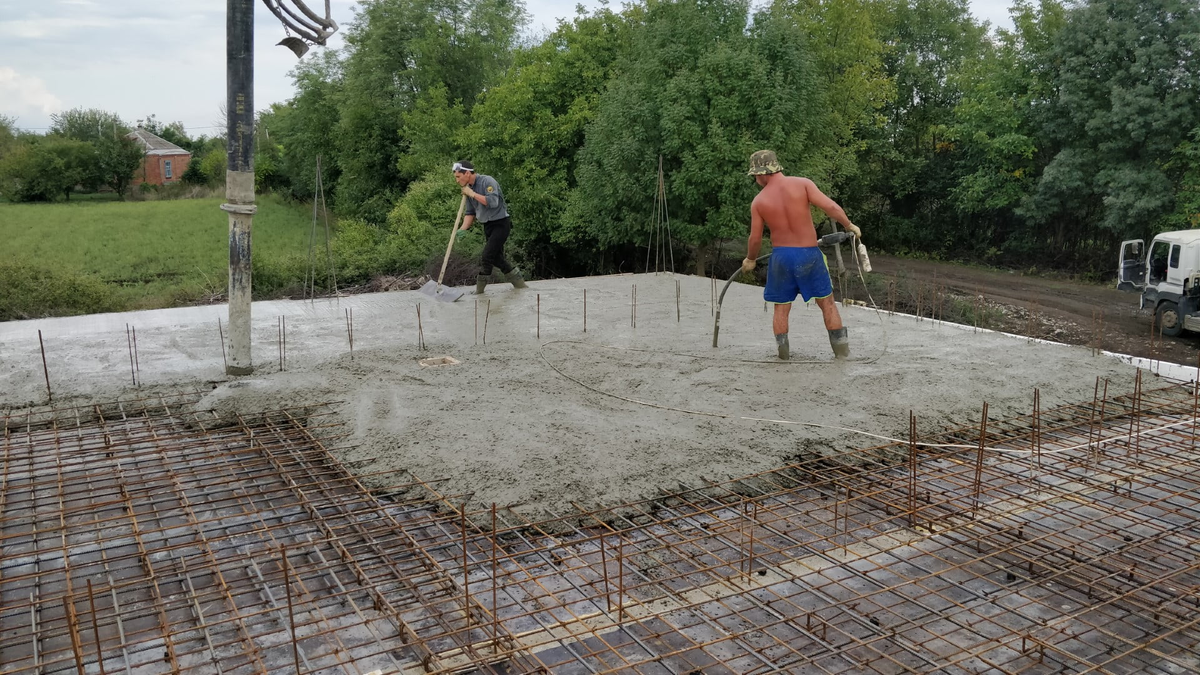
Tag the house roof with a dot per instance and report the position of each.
(153, 145)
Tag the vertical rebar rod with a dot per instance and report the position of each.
(221, 332)
(495, 583)
(912, 469)
(979, 461)
(137, 365)
(465, 561)
(287, 589)
(129, 345)
(73, 629)
(96, 628)
(279, 340)
(284, 319)
(1100, 428)
(620, 577)
(421, 330)
(1092, 421)
(45, 369)
(604, 569)
(487, 312)
(677, 314)
(1137, 385)
(539, 316)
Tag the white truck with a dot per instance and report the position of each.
(1167, 274)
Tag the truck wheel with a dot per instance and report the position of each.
(1168, 319)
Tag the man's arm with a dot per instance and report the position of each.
(755, 241)
(467, 221)
(830, 207)
(491, 193)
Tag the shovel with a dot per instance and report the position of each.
(435, 289)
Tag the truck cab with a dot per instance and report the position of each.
(1167, 275)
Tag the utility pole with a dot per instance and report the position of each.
(239, 171)
(239, 176)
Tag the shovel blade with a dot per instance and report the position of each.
(441, 293)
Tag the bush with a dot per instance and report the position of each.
(194, 175)
(28, 292)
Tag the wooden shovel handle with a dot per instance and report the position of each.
(462, 206)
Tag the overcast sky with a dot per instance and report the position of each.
(167, 57)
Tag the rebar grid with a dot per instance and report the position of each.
(1067, 541)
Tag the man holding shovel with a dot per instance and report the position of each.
(485, 201)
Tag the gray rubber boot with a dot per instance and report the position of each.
(481, 281)
(840, 341)
(514, 277)
(781, 339)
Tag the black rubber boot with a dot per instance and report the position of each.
(514, 277)
(840, 341)
(481, 281)
(781, 339)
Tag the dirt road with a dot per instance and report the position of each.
(1056, 309)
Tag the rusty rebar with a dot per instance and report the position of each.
(45, 368)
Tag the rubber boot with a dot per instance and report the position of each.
(481, 281)
(840, 341)
(514, 277)
(781, 339)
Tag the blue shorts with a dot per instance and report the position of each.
(796, 270)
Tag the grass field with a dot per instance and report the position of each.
(138, 255)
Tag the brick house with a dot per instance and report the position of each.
(164, 163)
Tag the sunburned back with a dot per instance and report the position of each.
(784, 205)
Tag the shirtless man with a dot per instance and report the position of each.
(797, 266)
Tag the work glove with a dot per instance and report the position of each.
(468, 192)
(748, 265)
(461, 233)
(854, 228)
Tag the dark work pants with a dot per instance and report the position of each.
(496, 233)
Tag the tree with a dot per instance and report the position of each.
(34, 172)
(702, 92)
(527, 131)
(1128, 83)
(119, 159)
(87, 124)
(908, 161)
(80, 164)
(8, 135)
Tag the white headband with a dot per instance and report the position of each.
(459, 167)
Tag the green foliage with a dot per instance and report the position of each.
(32, 292)
(527, 130)
(119, 158)
(87, 124)
(194, 174)
(8, 136)
(1127, 85)
(703, 93)
(1184, 167)
(146, 254)
(213, 165)
(405, 62)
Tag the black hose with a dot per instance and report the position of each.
(717, 320)
(828, 240)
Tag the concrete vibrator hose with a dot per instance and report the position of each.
(827, 240)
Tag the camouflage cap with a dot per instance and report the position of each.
(764, 162)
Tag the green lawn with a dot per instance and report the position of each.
(145, 254)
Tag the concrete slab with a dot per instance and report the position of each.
(528, 417)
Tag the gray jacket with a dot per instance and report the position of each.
(490, 189)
